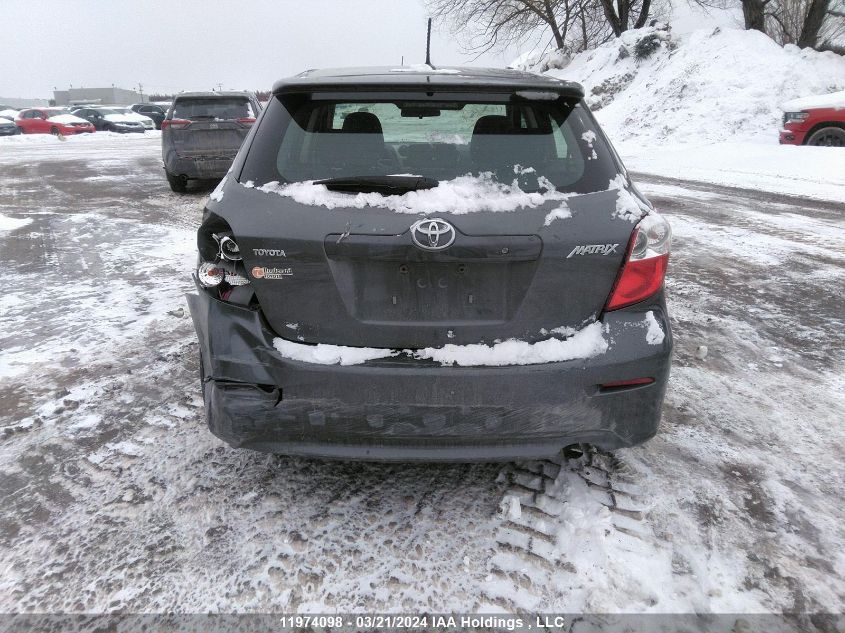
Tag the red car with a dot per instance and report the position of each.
(51, 121)
(814, 121)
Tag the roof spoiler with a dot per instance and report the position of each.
(539, 91)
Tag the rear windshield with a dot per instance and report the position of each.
(211, 108)
(304, 137)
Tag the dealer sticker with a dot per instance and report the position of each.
(260, 272)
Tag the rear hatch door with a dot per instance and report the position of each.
(358, 277)
(210, 127)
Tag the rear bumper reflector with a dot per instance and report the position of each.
(623, 384)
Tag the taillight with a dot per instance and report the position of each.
(229, 249)
(226, 272)
(645, 265)
(210, 275)
(176, 124)
(247, 121)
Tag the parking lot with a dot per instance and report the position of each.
(115, 497)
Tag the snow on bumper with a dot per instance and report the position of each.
(404, 408)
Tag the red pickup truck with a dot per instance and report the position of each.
(814, 121)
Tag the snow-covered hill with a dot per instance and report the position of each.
(706, 105)
(706, 86)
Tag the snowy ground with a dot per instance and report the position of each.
(115, 497)
(810, 172)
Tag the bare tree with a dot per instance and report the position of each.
(619, 14)
(806, 23)
(591, 25)
(503, 23)
(566, 25)
(814, 20)
(832, 36)
(818, 24)
(753, 11)
(754, 14)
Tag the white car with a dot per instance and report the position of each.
(8, 114)
(131, 115)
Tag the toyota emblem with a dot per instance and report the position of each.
(432, 234)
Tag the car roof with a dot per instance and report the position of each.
(450, 78)
(212, 93)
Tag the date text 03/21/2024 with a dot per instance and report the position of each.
(509, 623)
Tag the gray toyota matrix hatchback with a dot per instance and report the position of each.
(437, 264)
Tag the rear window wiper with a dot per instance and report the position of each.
(378, 184)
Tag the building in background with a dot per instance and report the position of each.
(110, 96)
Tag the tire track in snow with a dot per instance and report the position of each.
(559, 517)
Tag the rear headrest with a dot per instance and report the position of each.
(362, 123)
(492, 124)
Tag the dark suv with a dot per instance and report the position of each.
(202, 133)
(445, 264)
(151, 110)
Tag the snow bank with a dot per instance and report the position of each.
(10, 224)
(540, 61)
(27, 146)
(585, 343)
(809, 172)
(833, 100)
(464, 194)
(707, 86)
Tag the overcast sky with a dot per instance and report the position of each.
(171, 45)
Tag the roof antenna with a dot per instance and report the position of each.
(428, 47)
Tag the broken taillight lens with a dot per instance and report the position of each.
(210, 275)
(645, 265)
(226, 268)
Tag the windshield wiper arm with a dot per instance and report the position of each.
(378, 184)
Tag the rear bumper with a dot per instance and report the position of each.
(196, 168)
(407, 410)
